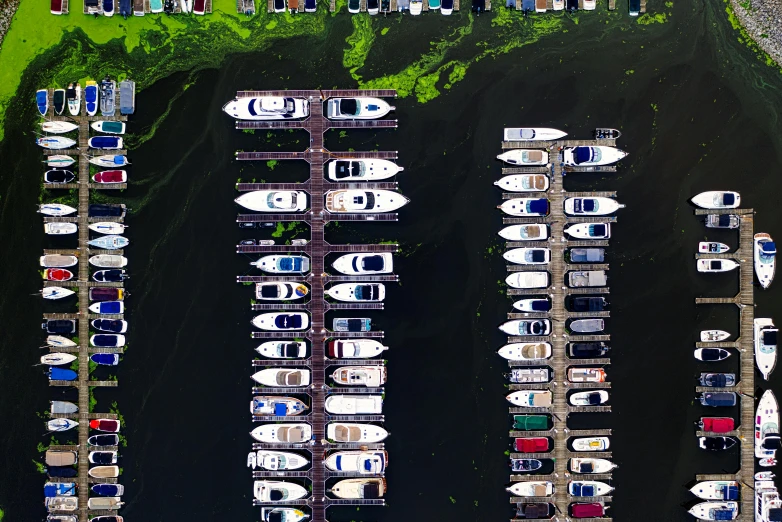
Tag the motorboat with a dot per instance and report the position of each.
(416, 7)
(59, 341)
(355, 348)
(58, 176)
(57, 274)
(589, 488)
(586, 375)
(60, 458)
(722, 221)
(530, 398)
(717, 199)
(110, 161)
(531, 444)
(711, 336)
(268, 108)
(765, 256)
(536, 327)
(282, 321)
(103, 210)
(767, 439)
(360, 488)
(529, 375)
(352, 324)
(369, 376)
(528, 280)
(105, 142)
(107, 227)
(42, 101)
(531, 422)
(277, 491)
(107, 340)
(768, 505)
(765, 336)
(103, 440)
(532, 232)
(283, 349)
(57, 359)
(350, 169)
(274, 200)
(359, 108)
(589, 398)
(589, 230)
(361, 462)
(276, 406)
(283, 264)
(712, 247)
(588, 350)
(356, 264)
(279, 460)
(525, 207)
(280, 291)
(524, 183)
(525, 157)
(104, 472)
(364, 201)
(105, 359)
(591, 444)
(91, 97)
(596, 206)
(110, 325)
(525, 351)
(717, 380)
(60, 424)
(61, 504)
(109, 127)
(282, 514)
(59, 160)
(110, 176)
(62, 407)
(532, 305)
(112, 275)
(58, 127)
(715, 510)
(107, 307)
(59, 489)
(716, 443)
(102, 457)
(716, 490)
(354, 6)
(283, 433)
(108, 490)
(717, 424)
(283, 377)
(718, 399)
(57, 261)
(593, 156)
(108, 87)
(106, 294)
(525, 465)
(532, 134)
(55, 209)
(105, 425)
(357, 292)
(711, 354)
(534, 510)
(58, 100)
(354, 404)
(586, 304)
(344, 432)
(59, 229)
(585, 255)
(587, 325)
(716, 265)
(55, 142)
(61, 472)
(528, 256)
(532, 489)
(587, 465)
(59, 326)
(109, 242)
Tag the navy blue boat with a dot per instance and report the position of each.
(572, 5)
(718, 399)
(104, 439)
(587, 350)
(635, 7)
(478, 6)
(59, 326)
(61, 472)
(587, 304)
(108, 7)
(106, 340)
(105, 142)
(110, 325)
(100, 210)
(538, 206)
(528, 5)
(125, 8)
(62, 374)
(105, 359)
(718, 380)
(108, 490)
(109, 276)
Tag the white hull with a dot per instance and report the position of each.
(283, 433)
(267, 108)
(712, 247)
(531, 489)
(353, 264)
(361, 462)
(530, 399)
(74, 105)
(58, 127)
(59, 340)
(582, 398)
(766, 423)
(525, 351)
(107, 227)
(523, 207)
(355, 348)
(705, 510)
(347, 292)
(344, 432)
(521, 327)
(281, 201)
(528, 280)
(589, 231)
(591, 444)
(369, 376)
(765, 263)
(527, 305)
(96, 307)
(364, 201)
(263, 491)
(765, 354)
(280, 291)
(716, 265)
(369, 488)
(269, 321)
(597, 206)
(283, 377)
(595, 465)
(708, 336)
(712, 489)
(714, 199)
(109, 261)
(55, 209)
(349, 170)
(523, 256)
(110, 161)
(524, 157)
(56, 292)
(600, 488)
(367, 108)
(274, 264)
(533, 232)
(57, 359)
(532, 134)
(279, 460)
(57, 229)
(524, 183)
(272, 349)
(598, 155)
(58, 261)
(354, 404)
(98, 126)
(60, 161)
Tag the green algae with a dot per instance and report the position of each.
(384, 31)
(359, 42)
(648, 18)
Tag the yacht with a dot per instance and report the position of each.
(279, 460)
(525, 351)
(591, 444)
(712, 247)
(283, 433)
(268, 108)
(364, 201)
(525, 157)
(525, 207)
(532, 232)
(597, 206)
(358, 292)
(715, 510)
(767, 439)
(345, 432)
(586, 465)
(360, 108)
(283, 349)
(528, 280)
(532, 305)
(716, 490)
(532, 489)
(357, 264)
(360, 488)
(283, 264)
(355, 348)
(282, 377)
(530, 398)
(592, 156)
(274, 200)
(350, 169)
(716, 265)
(768, 505)
(281, 514)
(280, 291)
(354, 404)
(711, 354)
(524, 183)
(277, 406)
(528, 256)
(527, 327)
(765, 255)
(722, 221)
(361, 462)
(589, 230)
(711, 336)
(282, 321)
(717, 199)
(277, 491)
(369, 376)
(589, 398)
(532, 134)
(589, 488)
(765, 335)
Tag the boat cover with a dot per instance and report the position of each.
(730, 493)
(114, 276)
(717, 424)
(538, 256)
(589, 255)
(768, 247)
(56, 326)
(108, 325)
(61, 471)
(105, 341)
(583, 490)
(770, 337)
(533, 510)
(366, 292)
(712, 354)
(594, 398)
(290, 350)
(100, 210)
(588, 304)
(586, 467)
(723, 514)
(530, 422)
(59, 490)
(588, 510)
(289, 264)
(104, 425)
(541, 305)
(275, 516)
(532, 445)
(354, 325)
(587, 350)
(598, 229)
(728, 199)
(372, 263)
(103, 440)
(42, 100)
(348, 107)
(105, 294)
(717, 443)
(109, 176)
(102, 457)
(775, 515)
(62, 374)
(289, 378)
(635, 6)
(718, 399)
(309, 5)
(724, 220)
(342, 169)
(771, 442)
(127, 95)
(525, 464)
(270, 291)
(582, 154)
(584, 205)
(59, 176)
(537, 206)
(60, 458)
(288, 321)
(105, 359)
(111, 126)
(105, 490)
(110, 307)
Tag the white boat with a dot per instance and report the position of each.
(355, 348)
(283, 264)
(532, 489)
(587, 465)
(268, 108)
(57, 359)
(532, 232)
(587, 325)
(525, 207)
(529, 375)
(710, 336)
(765, 256)
(588, 398)
(58, 229)
(277, 491)
(282, 377)
(59, 340)
(716, 490)
(532, 134)
(186, 5)
(765, 335)
(276, 406)
(109, 242)
(591, 444)
(358, 292)
(104, 472)
(109, 261)
(525, 157)
(767, 439)
(282, 514)
(528, 280)
(360, 488)
(589, 230)
(730, 221)
(416, 7)
(525, 351)
(282, 433)
(56, 292)
(768, 505)
(354, 264)
(712, 247)
(764, 475)
(279, 460)
(359, 108)
(591, 156)
(101, 307)
(74, 101)
(111, 161)
(530, 398)
(361, 462)
(283, 349)
(97, 457)
(528, 256)
(251, 460)
(717, 199)
(57, 261)
(715, 510)
(524, 183)
(532, 305)
(280, 291)
(716, 265)
(55, 209)
(369, 376)
(350, 169)
(59, 160)
(55, 142)
(107, 227)
(107, 340)
(61, 503)
(109, 127)
(590, 5)
(364, 201)
(274, 200)
(597, 206)
(526, 327)
(711, 354)
(58, 127)
(343, 432)
(354, 404)
(61, 424)
(282, 321)
(589, 488)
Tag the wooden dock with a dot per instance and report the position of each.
(316, 248)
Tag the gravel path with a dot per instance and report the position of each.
(763, 22)
(7, 10)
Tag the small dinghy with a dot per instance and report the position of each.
(532, 489)
(589, 230)
(252, 460)
(283, 264)
(530, 398)
(104, 472)
(345, 432)
(57, 274)
(716, 490)
(56, 359)
(109, 276)
(105, 142)
(107, 340)
(102, 457)
(354, 404)
(276, 406)
(532, 134)
(107, 307)
(109, 127)
(109, 242)
(589, 488)
(110, 176)
(579, 465)
(524, 157)
(710, 336)
(59, 160)
(55, 142)
(717, 380)
(60, 229)
(282, 321)
(277, 491)
(105, 359)
(583, 156)
(360, 462)
(717, 199)
(282, 377)
(765, 335)
(716, 265)
(62, 374)
(59, 489)
(523, 183)
(355, 348)
(356, 264)
(280, 291)
(108, 490)
(57, 261)
(61, 424)
(56, 292)
(360, 488)
(42, 101)
(765, 259)
(533, 232)
(525, 465)
(357, 292)
(285, 432)
(63, 407)
(711, 354)
(532, 305)
(59, 326)
(589, 398)
(58, 100)
(110, 161)
(106, 294)
(282, 514)
(103, 440)
(597, 206)
(58, 127)
(106, 425)
(55, 209)
(107, 227)
(718, 399)
(282, 349)
(73, 95)
(528, 256)
(369, 376)
(711, 247)
(715, 510)
(591, 444)
(525, 351)
(109, 261)
(525, 207)
(59, 340)
(110, 325)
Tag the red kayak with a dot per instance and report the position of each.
(57, 274)
(110, 176)
(109, 425)
(531, 444)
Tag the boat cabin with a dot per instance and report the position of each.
(587, 255)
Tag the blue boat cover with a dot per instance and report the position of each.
(49, 491)
(775, 515)
(586, 467)
(105, 341)
(724, 514)
(62, 374)
(586, 350)
(41, 99)
(538, 206)
(289, 264)
(108, 5)
(583, 490)
(770, 337)
(538, 256)
(724, 220)
(372, 263)
(288, 321)
(728, 199)
(541, 305)
(711, 354)
(309, 4)
(100, 210)
(372, 107)
(719, 399)
(106, 359)
(91, 94)
(769, 247)
(582, 154)
(110, 307)
(731, 493)
(104, 142)
(61, 471)
(280, 409)
(594, 398)
(108, 325)
(105, 490)
(718, 380)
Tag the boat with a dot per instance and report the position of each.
(57, 274)
(525, 207)
(589, 230)
(597, 206)
(268, 108)
(361, 462)
(60, 472)
(109, 261)
(58, 127)
(587, 325)
(768, 505)
(715, 510)
(274, 200)
(102, 457)
(107, 227)
(529, 375)
(531, 422)
(110, 325)
(108, 89)
(588, 350)
(590, 5)
(717, 199)
(59, 326)
(587, 278)
(364, 201)
(598, 155)
(61, 424)
(586, 465)
(55, 142)
(354, 404)
(107, 307)
(109, 242)
(91, 97)
(708, 336)
(282, 377)
(534, 510)
(105, 425)
(369, 376)
(357, 292)
(634, 7)
(716, 424)
(127, 96)
(59, 340)
(58, 261)
(277, 406)
(62, 407)
(718, 399)
(350, 169)
(103, 440)
(524, 157)
(106, 294)
(528, 280)
(283, 349)
(591, 444)
(524, 183)
(360, 488)
(722, 221)
(446, 7)
(716, 490)
(767, 439)
(103, 210)
(56, 359)
(528, 256)
(105, 359)
(62, 374)
(352, 324)
(530, 398)
(764, 475)
(73, 97)
(525, 351)
(59, 160)
(104, 472)
(109, 127)
(109, 161)
(110, 176)
(156, 6)
(355, 348)
(364, 263)
(531, 444)
(588, 488)
(59, 176)
(280, 291)
(532, 489)
(589, 398)
(310, 6)
(283, 264)
(765, 336)
(59, 489)
(276, 490)
(525, 327)
(199, 7)
(108, 490)
(105, 142)
(112, 275)
(711, 354)
(533, 232)
(286, 432)
(55, 209)
(282, 321)
(107, 340)
(532, 134)
(58, 100)
(532, 305)
(717, 380)
(279, 460)
(60, 458)
(42, 101)
(716, 265)
(712, 247)
(359, 108)
(586, 375)
(586, 304)
(765, 255)
(61, 503)
(345, 432)
(282, 514)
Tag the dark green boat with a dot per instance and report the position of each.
(530, 422)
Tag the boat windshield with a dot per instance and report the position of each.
(359, 202)
(598, 230)
(366, 292)
(769, 341)
(372, 263)
(530, 232)
(768, 251)
(349, 107)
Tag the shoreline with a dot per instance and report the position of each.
(762, 23)
(7, 12)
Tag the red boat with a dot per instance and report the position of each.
(531, 444)
(199, 7)
(56, 7)
(108, 425)
(587, 510)
(57, 274)
(717, 424)
(110, 176)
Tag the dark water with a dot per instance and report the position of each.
(184, 383)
